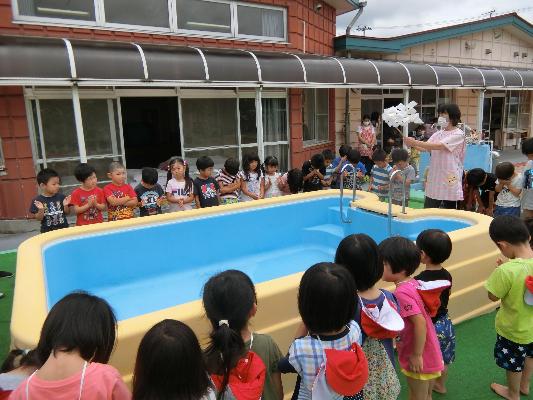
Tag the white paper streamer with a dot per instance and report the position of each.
(401, 115)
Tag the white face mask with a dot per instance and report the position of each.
(442, 122)
(366, 123)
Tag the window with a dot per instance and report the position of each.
(259, 21)
(2, 160)
(137, 12)
(512, 99)
(202, 15)
(315, 115)
(64, 9)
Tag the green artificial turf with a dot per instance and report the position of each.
(7, 263)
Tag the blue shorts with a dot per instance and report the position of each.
(511, 356)
(512, 211)
(446, 335)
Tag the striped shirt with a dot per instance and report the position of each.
(380, 177)
(224, 179)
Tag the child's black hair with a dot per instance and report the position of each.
(529, 225)
(295, 180)
(170, 364)
(401, 254)
(83, 171)
(328, 154)
(504, 170)
(353, 156)
(398, 141)
(527, 146)
(326, 298)
(379, 155)
(436, 244)
(187, 177)
(228, 298)
(398, 155)
(317, 161)
(475, 177)
(18, 358)
(453, 111)
(45, 175)
(204, 162)
(344, 149)
(247, 159)
(374, 116)
(113, 166)
(271, 161)
(510, 229)
(365, 116)
(359, 253)
(149, 175)
(420, 127)
(231, 165)
(82, 322)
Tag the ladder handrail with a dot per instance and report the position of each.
(343, 220)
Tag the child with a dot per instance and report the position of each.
(272, 178)
(366, 135)
(170, 365)
(400, 159)
(379, 176)
(206, 189)
(18, 366)
(353, 161)
(50, 207)
(88, 200)
(514, 344)
(252, 181)
(509, 187)
(359, 254)
(229, 182)
(179, 185)
(313, 172)
(337, 165)
(527, 195)
(484, 182)
(150, 194)
(230, 302)
(435, 247)
(326, 302)
(330, 169)
(121, 198)
(418, 348)
(77, 339)
(291, 182)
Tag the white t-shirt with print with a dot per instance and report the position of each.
(253, 184)
(506, 198)
(273, 190)
(176, 189)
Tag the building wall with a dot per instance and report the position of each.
(467, 100)
(355, 116)
(319, 30)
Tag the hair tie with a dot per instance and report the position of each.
(185, 162)
(223, 322)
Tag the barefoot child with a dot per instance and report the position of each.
(511, 283)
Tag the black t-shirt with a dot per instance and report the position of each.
(314, 183)
(54, 212)
(148, 199)
(441, 274)
(207, 191)
(487, 187)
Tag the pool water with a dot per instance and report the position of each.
(150, 268)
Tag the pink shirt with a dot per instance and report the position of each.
(368, 134)
(411, 304)
(102, 382)
(446, 166)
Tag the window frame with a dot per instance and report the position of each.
(173, 29)
(316, 141)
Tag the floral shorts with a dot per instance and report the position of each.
(446, 335)
(229, 200)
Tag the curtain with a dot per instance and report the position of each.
(272, 22)
(274, 120)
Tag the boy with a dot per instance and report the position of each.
(88, 200)
(479, 180)
(354, 162)
(509, 187)
(313, 171)
(150, 194)
(435, 247)
(337, 164)
(229, 182)
(50, 207)
(527, 195)
(330, 169)
(379, 176)
(514, 344)
(400, 159)
(121, 198)
(206, 189)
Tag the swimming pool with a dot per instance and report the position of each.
(177, 258)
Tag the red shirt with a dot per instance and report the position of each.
(115, 213)
(93, 215)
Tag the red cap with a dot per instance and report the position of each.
(346, 371)
(528, 297)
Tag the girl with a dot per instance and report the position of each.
(366, 134)
(76, 342)
(252, 183)
(291, 182)
(229, 182)
(179, 185)
(170, 365)
(18, 365)
(359, 254)
(230, 302)
(272, 178)
(326, 302)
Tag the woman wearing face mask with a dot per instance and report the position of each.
(447, 146)
(366, 133)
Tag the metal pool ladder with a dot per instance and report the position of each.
(389, 227)
(354, 173)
